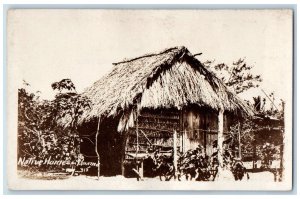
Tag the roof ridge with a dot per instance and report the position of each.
(151, 54)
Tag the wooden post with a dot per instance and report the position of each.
(239, 134)
(205, 140)
(175, 150)
(181, 142)
(220, 136)
(96, 149)
(124, 152)
(254, 156)
(137, 142)
(281, 158)
(282, 147)
(281, 163)
(137, 135)
(184, 141)
(142, 169)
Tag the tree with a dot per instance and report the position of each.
(36, 137)
(70, 106)
(238, 77)
(48, 128)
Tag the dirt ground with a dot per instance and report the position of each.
(257, 181)
(259, 176)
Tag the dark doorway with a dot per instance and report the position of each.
(109, 146)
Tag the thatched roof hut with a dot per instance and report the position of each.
(173, 78)
(151, 98)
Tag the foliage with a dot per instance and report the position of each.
(195, 164)
(64, 84)
(253, 139)
(253, 132)
(70, 105)
(247, 137)
(48, 128)
(238, 77)
(34, 121)
(268, 153)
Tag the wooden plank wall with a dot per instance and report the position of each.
(194, 126)
(200, 127)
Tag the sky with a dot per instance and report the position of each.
(45, 46)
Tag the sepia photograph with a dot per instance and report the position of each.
(120, 99)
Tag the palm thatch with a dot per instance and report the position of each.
(173, 78)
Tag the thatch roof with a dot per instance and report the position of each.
(173, 78)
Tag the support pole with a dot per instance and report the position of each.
(96, 149)
(220, 136)
(254, 156)
(239, 134)
(175, 150)
(181, 142)
(281, 163)
(282, 148)
(137, 135)
(142, 169)
(185, 141)
(137, 142)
